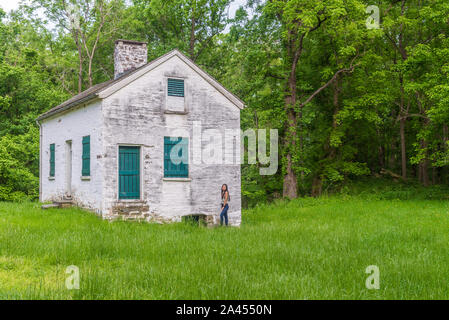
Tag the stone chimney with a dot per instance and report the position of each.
(128, 55)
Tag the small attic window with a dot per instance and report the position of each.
(175, 87)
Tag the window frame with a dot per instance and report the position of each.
(176, 80)
(52, 167)
(141, 171)
(85, 172)
(184, 174)
(167, 97)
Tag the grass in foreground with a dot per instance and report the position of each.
(303, 249)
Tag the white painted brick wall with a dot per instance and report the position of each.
(135, 115)
(73, 126)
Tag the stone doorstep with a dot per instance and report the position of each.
(130, 204)
(50, 205)
(64, 201)
(133, 218)
(59, 203)
(130, 208)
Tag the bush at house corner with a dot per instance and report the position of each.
(19, 158)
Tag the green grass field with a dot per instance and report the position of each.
(303, 249)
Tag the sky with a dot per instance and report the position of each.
(8, 5)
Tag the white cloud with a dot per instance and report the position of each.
(9, 5)
(234, 6)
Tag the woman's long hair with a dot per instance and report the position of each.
(223, 192)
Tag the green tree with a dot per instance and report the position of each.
(189, 25)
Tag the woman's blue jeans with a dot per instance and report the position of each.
(224, 213)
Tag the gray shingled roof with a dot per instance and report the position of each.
(81, 97)
(86, 95)
(94, 91)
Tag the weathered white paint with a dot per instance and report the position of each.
(175, 104)
(136, 114)
(104, 93)
(73, 125)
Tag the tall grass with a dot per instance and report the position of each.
(302, 249)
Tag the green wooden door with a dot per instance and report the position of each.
(129, 172)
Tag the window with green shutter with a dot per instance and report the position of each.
(129, 172)
(52, 160)
(175, 87)
(85, 171)
(176, 157)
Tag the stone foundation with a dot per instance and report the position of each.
(140, 211)
(134, 210)
(202, 219)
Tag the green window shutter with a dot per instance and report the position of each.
(173, 169)
(184, 165)
(52, 160)
(129, 172)
(85, 171)
(176, 87)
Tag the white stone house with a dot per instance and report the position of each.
(110, 148)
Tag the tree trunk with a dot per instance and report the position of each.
(381, 156)
(80, 62)
(336, 88)
(80, 76)
(424, 166)
(192, 38)
(290, 188)
(402, 113)
(403, 150)
(392, 157)
(290, 180)
(445, 135)
(434, 175)
(90, 73)
(317, 187)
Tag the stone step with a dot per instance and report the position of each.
(49, 205)
(65, 203)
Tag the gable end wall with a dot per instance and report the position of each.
(135, 115)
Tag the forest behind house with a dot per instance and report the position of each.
(350, 99)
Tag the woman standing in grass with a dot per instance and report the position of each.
(224, 204)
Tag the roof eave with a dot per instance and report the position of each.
(68, 106)
(109, 88)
